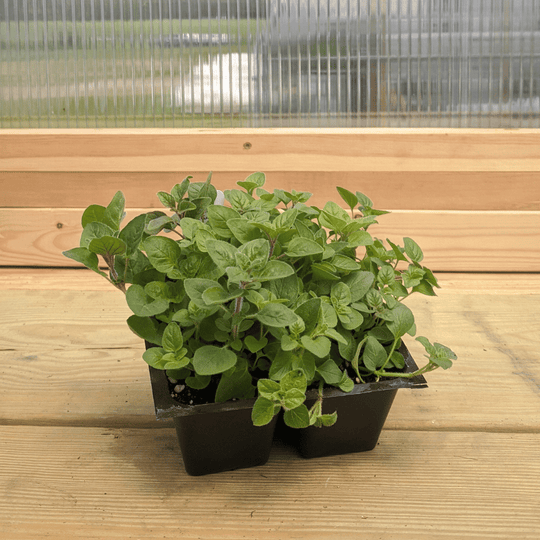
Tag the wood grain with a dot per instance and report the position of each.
(452, 241)
(416, 190)
(68, 347)
(109, 483)
(76, 279)
(271, 150)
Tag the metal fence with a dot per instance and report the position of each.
(250, 63)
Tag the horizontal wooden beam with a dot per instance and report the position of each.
(452, 240)
(422, 190)
(302, 150)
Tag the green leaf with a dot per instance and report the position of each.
(114, 213)
(335, 335)
(350, 198)
(179, 190)
(352, 320)
(360, 238)
(281, 365)
(222, 253)
(325, 271)
(424, 287)
(310, 312)
(327, 420)
(364, 200)
(386, 275)
(276, 315)
(146, 328)
(154, 357)
(132, 234)
(86, 257)
(177, 360)
(172, 338)
(334, 217)
(235, 383)
(397, 360)
(346, 384)
(403, 319)
(293, 398)
(340, 295)
(164, 254)
(412, 249)
(166, 199)
(297, 418)
(197, 190)
(219, 217)
(198, 382)
(319, 346)
(274, 270)
(195, 287)
(285, 220)
(95, 212)
(94, 230)
(218, 295)
(348, 350)
(329, 315)
(210, 360)
(398, 253)
(374, 355)
(268, 388)
(295, 379)
(243, 230)
(359, 284)
(156, 225)
(108, 246)
(262, 412)
(412, 277)
(330, 372)
(173, 291)
(439, 354)
(287, 343)
(255, 345)
(256, 179)
(143, 305)
(344, 264)
(303, 247)
(239, 200)
(257, 252)
(288, 287)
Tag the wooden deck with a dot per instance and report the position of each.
(81, 455)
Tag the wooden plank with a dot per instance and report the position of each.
(452, 241)
(72, 352)
(403, 190)
(271, 150)
(96, 483)
(75, 279)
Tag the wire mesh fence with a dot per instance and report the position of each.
(251, 63)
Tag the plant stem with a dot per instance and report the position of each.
(390, 353)
(427, 368)
(238, 303)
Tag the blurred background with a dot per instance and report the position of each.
(264, 63)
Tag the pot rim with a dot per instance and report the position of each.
(166, 407)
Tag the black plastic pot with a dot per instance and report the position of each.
(361, 416)
(216, 437)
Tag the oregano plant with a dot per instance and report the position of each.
(264, 296)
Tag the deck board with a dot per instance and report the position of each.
(82, 456)
(96, 483)
(461, 241)
(65, 342)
